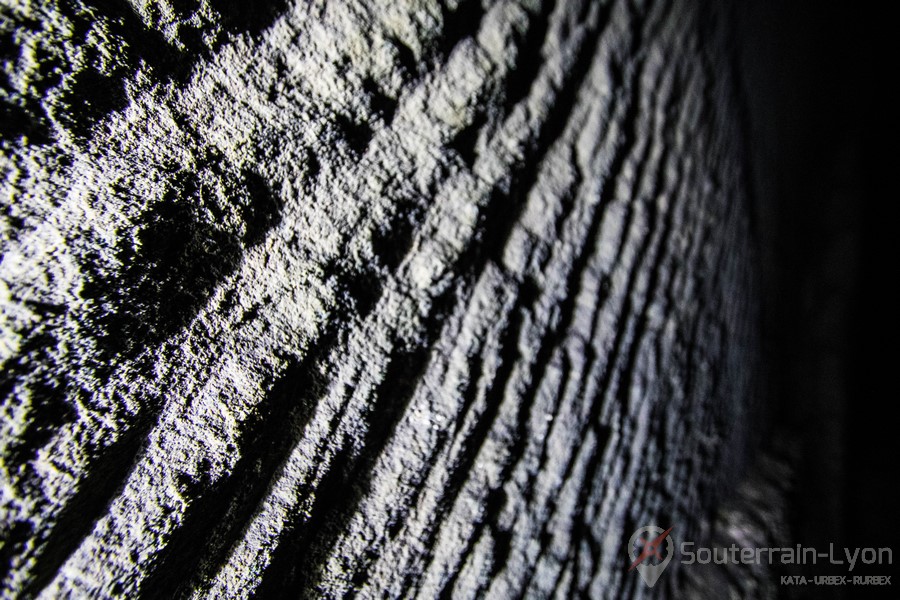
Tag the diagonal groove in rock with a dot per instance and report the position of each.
(449, 491)
(473, 302)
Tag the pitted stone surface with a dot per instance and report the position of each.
(401, 298)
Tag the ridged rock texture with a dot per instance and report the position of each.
(395, 298)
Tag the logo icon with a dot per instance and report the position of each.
(644, 547)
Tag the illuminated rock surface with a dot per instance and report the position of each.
(393, 297)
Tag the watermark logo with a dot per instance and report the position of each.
(645, 548)
(652, 549)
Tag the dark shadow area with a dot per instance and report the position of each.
(811, 72)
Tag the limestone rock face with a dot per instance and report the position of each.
(389, 297)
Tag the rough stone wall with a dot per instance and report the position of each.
(400, 298)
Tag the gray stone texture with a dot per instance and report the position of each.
(400, 298)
